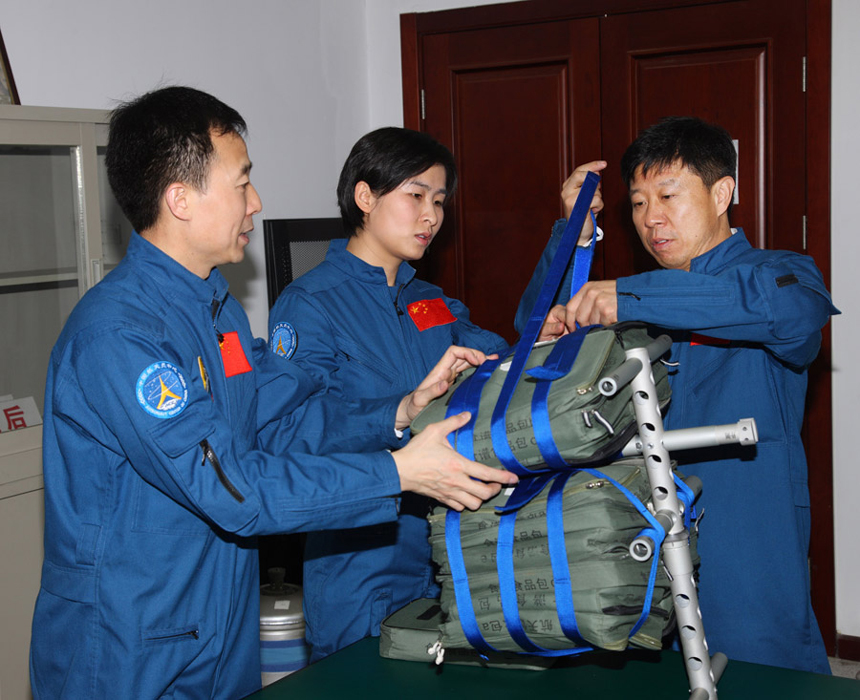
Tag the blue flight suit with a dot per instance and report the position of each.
(342, 322)
(154, 491)
(746, 326)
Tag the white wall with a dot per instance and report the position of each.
(296, 70)
(311, 77)
(845, 157)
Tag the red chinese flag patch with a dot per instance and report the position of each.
(430, 313)
(697, 339)
(232, 355)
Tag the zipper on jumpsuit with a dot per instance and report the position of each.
(208, 452)
(408, 352)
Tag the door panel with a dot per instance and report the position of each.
(502, 100)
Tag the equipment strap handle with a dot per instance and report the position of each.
(498, 427)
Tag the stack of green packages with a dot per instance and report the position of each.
(617, 599)
(608, 586)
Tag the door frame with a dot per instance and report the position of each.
(819, 437)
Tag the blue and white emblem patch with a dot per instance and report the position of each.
(284, 340)
(162, 390)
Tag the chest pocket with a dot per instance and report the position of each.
(358, 364)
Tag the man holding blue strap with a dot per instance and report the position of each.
(746, 326)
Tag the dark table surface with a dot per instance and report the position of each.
(359, 671)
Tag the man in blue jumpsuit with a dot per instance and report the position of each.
(366, 326)
(156, 391)
(746, 326)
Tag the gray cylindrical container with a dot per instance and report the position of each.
(282, 628)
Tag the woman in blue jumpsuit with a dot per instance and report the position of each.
(363, 324)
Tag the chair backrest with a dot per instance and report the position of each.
(294, 246)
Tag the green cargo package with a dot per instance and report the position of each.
(609, 587)
(587, 427)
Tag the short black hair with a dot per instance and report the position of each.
(384, 159)
(706, 149)
(161, 137)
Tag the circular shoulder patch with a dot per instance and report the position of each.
(162, 390)
(284, 340)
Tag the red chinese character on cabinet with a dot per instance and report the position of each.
(14, 418)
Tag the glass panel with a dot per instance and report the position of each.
(39, 225)
(116, 229)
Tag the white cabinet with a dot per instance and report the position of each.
(60, 232)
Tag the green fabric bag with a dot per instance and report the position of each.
(608, 585)
(587, 427)
(413, 633)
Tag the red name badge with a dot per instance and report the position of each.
(429, 313)
(232, 355)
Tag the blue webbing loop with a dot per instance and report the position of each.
(686, 495)
(657, 534)
(560, 361)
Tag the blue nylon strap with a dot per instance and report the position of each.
(558, 559)
(460, 579)
(685, 493)
(467, 397)
(582, 258)
(561, 259)
(508, 585)
(558, 364)
(657, 534)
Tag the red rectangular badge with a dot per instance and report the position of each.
(429, 313)
(696, 339)
(232, 355)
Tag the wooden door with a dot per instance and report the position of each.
(732, 64)
(492, 89)
(518, 106)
